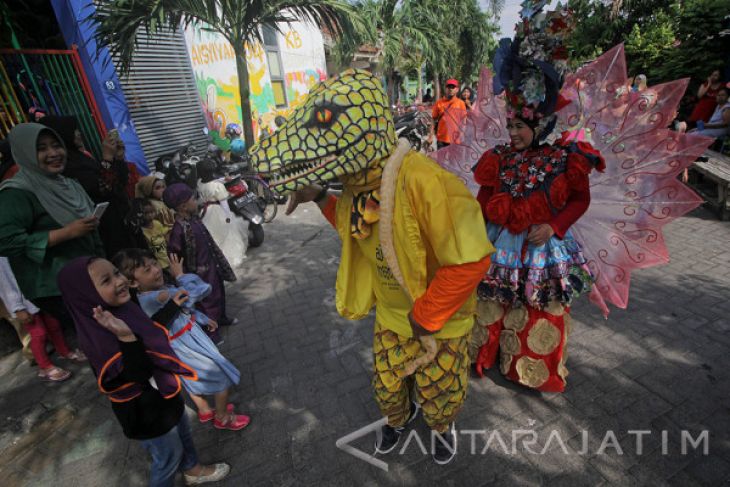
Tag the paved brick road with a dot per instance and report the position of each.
(664, 365)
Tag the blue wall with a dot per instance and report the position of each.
(100, 72)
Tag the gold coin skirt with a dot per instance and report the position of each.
(530, 343)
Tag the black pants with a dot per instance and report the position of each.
(53, 305)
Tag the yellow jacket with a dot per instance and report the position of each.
(436, 222)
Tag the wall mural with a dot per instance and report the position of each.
(213, 62)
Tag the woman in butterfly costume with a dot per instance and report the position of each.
(533, 193)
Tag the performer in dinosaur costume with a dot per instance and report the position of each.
(408, 246)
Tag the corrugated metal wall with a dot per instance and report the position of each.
(162, 96)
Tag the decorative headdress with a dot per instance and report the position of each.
(531, 68)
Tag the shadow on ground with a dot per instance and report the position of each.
(660, 366)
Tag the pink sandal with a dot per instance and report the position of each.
(54, 374)
(205, 417)
(233, 422)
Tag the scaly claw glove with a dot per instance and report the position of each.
(417, 329)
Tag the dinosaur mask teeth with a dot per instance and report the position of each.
(299, 170)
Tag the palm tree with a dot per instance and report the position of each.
(405, 33)
(119, 22)
(447, 38)
(472, 31)
(494, 7)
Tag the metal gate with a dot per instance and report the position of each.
(162, 95)
(52, 80)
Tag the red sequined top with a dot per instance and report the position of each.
(547, 184)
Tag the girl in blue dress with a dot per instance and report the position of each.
(174, 308)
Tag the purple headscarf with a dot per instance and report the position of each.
(176, 194)
(102, 347)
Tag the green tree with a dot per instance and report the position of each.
(699, 46)
(475, 37)
(664, 39)
(401, 31)
(647, 44)
(119, 23)
(417, 36)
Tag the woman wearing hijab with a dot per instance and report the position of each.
(126, 350)
(104, 181)
(45, 219)
(151, 187)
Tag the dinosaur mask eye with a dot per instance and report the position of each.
(323, 116)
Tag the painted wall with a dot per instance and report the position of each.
(213, 61)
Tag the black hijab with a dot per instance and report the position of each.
(86, 170)
(7, 157)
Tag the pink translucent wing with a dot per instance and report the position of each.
(592, 90)
(474, 132)
(638, 193)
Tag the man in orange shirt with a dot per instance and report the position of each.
(448, 113)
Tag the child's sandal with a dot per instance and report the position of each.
(77, 356)
(233, 422)
(54, 374)
(205, 417)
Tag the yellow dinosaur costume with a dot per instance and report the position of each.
(413, 240)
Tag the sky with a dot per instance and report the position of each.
(510, 15)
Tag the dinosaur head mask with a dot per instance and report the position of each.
(343, 128)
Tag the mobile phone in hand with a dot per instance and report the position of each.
(100, 209)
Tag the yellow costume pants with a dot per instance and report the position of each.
(440, 386)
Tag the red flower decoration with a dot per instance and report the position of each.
(539, 208)
(487, 170)
(524, 167)
(588, 149)
(577, 170)
(549, 168)
(519, 219)
(509, 174)
(498, 208)
(559, 190)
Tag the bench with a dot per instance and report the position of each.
(711, 179)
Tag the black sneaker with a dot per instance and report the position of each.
(444, 445)
(226, 321)
(389, 436)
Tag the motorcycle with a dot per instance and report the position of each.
(238, 165)
(241, 201)
(238, 156)
(179, 166)
(415, 126)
